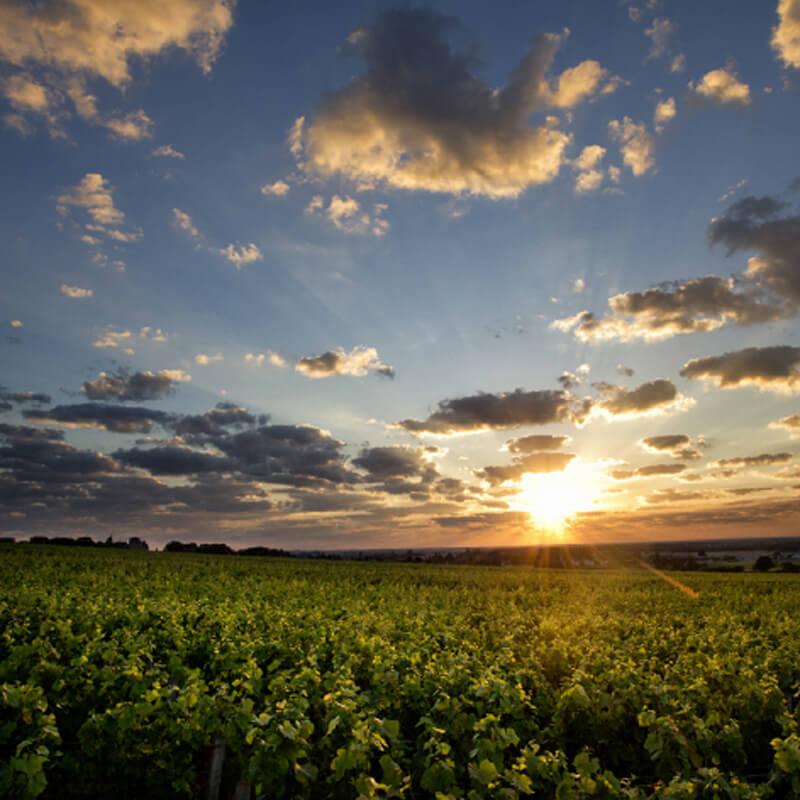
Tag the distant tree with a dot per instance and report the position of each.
(763, 564)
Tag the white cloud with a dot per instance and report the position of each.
(112, 338)
(270, 357)
(68, 42)
(239, 255)
(635, 144)
(132, 127)
(786, 34)
(579, 285)
(167, 151)
(678, 63)
(75, 291)
(204, 360)
(182, 220)
(94, 195)
(665, 112)
(347, 215)
(101, 39)
(16, 323)
(659, 34)
(579, 83)
(722, 86)
(276, 189)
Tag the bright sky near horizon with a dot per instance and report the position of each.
(371, 275)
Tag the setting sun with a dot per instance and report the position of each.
(552, 498)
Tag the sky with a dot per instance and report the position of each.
(348, 275)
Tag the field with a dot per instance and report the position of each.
(345, 680)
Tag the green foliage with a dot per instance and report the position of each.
(336, 680)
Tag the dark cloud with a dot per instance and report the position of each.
(215, 421)
(525, 464)
(761, 460)
(698, 305)
(535, 443)
(654, 397)
(649, 471)
(790, 423)
(171, 460)
(767, 290)
(8, 398)
(118, 419)
(767, 368)
(486, 411)
(41, 456)
(397, 461)
(291, 454)
(769, 227)
(678, 445)
(124, 386)
(418, 117)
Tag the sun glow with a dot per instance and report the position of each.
(553, 498)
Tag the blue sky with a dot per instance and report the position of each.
(355, 189)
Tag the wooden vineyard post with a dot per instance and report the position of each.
(215, 769)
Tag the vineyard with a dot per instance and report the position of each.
(120, 670)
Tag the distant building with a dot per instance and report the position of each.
(135, 543)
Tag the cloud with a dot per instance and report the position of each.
(768, 290)
(124, 386)
(635, 144)
(786, 34)
(117, 419)
(665, 112)
(167, 151)
(770, 227)
(790, 423)
(346, 214)
(113, 338)
(535, 442)
(418, 118)
(761, 460)
(203, 360)
(486, 411)
(173, 460)
(271, 357)
(698, 305)
(401, 469)
(659, 34)
(578, 285)
(132, 127)
(15, 323)
(182, 220)
(358, 362)
(721, 86)
(86, 36)
(649, 471)
(589, 177)
(655, 397)
(75, 291)
(276, 189)
(94, 195)
(240, 255)
(580, 83)
(678, 445)
(628, 372)
(678, 63)
(74, 40)
(8, 399)
(524, 465)
(772, 369)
